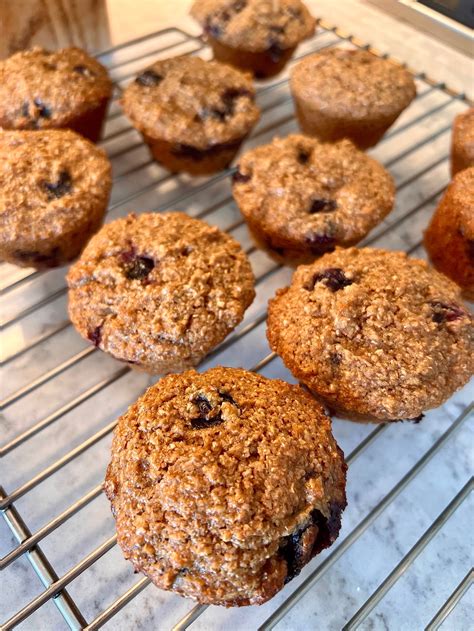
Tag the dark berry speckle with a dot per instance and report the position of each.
(240, 178)
(333, 278)
(212, 29)
(275, 52)
(83, 70)
(137, 267)
(203, 404)
(319, 533)
(446, 312)
(209, 415)
(303, 156)
(320, 243)
(43, 110)
(62, 186)
(228, 98)
(322, 205)
(95, 335)
(149, 78)
(225, 396)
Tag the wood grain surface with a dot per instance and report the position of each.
(53, 24)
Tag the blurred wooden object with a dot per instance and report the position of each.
(53, 24)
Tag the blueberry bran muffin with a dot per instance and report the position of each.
(341, 93)
(159, 291)
(54, 190)
(377, 336)
(302, 197)
(449, 239)
(193, 114)
(462, 142)
(42, 90)
(225, 484)
(256, 35)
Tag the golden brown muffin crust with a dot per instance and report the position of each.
(159, 290)
(53, 184)
(449, 238)
(41, 89)
(462, 149)
(191, 101)
(300, 193)
(375, 334)
(255, 25)
(353, 83)
(225, 484)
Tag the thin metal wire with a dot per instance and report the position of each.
(29, 545)
(57, 587)
(31, 540)
(65, 604)
(30, 276)
(197, 610)
(108, 613)
(358, 531)
(451, 603)
(409, 558)
(86, 352)
(260, 91)
(65, 409)
(225, 174)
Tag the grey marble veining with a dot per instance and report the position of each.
(420, 174)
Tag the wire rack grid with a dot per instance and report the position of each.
(62, 397)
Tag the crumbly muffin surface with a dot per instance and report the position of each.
(255, 25)
(449, 238)
(191, 101)
(159, 290)
(225, 484)
(309, 195)
(353, 83)
(41, 89)
(51, 183)
(463, 141)
(375, 334)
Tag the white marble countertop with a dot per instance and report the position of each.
(381, 540)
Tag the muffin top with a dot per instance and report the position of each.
(224, 484)
(41, 89)
(255, 25)
(190, 101)
(460, 194)
(157, 288)
(375, 332)
(51, 181)
(306, 194)
(463, 134)
(353, 83)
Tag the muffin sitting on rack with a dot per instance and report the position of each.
(354, 94)
(54, 190)
(225, 484)
(256, 35)
(159, 291)
(462, 143)
(376, 335)
(194, 114)
(302, 198)
(449, 238)
(43, 90)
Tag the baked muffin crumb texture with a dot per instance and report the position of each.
(225, 484)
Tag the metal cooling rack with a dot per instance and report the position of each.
(62, 397)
